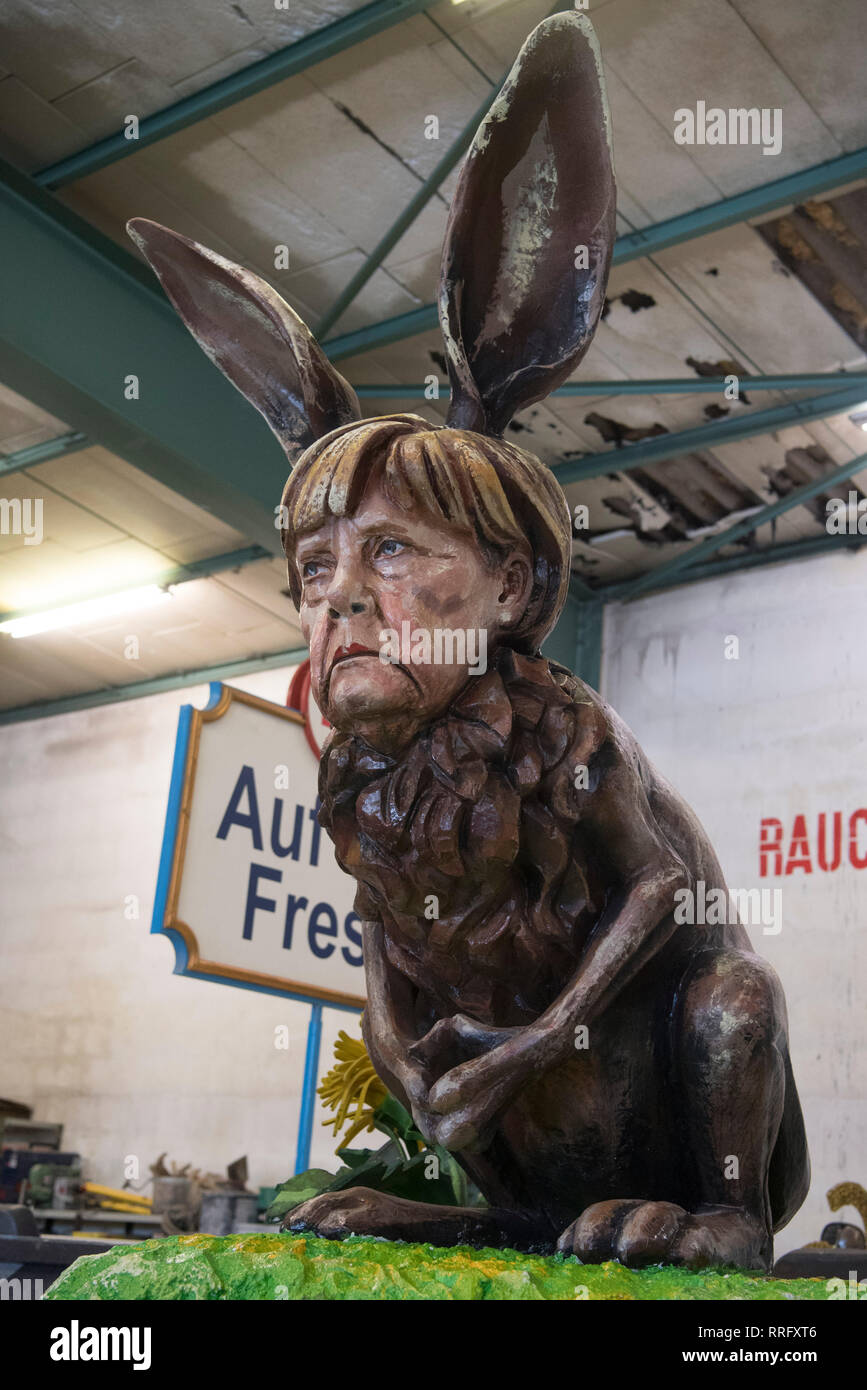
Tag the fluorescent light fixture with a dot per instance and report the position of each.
(859, 417)
(88, 610)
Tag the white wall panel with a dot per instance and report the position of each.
(777, 733)
(95, 1030)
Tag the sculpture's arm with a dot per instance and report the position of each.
(388, 1026)
(638, 921)
(636, 924)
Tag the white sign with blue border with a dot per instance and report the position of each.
(249, 890)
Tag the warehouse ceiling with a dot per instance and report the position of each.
(301, 180)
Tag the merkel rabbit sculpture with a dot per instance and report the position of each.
(615, 1083)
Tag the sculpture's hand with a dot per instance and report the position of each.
(449, 1036)
(413, 1083)
(416, 1082)
(434, 1056)
(464, 1086)
(467, 1101)
(473, 1114)
(443, 1053)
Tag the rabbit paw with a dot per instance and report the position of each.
(357, 1211)
(639, 1233)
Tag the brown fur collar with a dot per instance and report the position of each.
(464, 846)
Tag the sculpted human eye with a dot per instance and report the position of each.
(389, 547)
(312, 569)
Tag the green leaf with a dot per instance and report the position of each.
(374, 1170)
(454, 1174)
(391, 1110)
(390, 1118)
(353, 1158)
(297, 1190)
(411, 1181)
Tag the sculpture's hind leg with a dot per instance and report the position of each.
(730, 1110)
(789, 1177)
(362, 1212)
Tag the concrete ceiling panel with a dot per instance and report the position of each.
(674, 53)
(32, 131)
(175, 39)
(318, 152)
(824, 59)
(137, 504)
(101, 106)
(22, 423)
(753, 299)
(54, 46)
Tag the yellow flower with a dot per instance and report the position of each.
(351, 1081)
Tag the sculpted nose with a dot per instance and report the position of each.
(347, 594)
(354, 607)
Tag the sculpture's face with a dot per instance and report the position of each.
(382, 572)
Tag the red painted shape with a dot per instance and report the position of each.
(822, 846)
(298, 697)
(858, 861)
(771, 833)
(770, 846)
(799, 849)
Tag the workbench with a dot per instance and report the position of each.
(78, 1218)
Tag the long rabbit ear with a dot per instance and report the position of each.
(252, 335)
(531, 231)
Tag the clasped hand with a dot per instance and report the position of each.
(460, 1108)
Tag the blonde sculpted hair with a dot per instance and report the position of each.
(483, 487)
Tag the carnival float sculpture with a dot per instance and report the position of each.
(615, 1084)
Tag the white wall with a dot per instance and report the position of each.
(780, 731)
(95, 1030)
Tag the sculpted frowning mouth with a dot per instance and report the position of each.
(357, 649)
(354, 649)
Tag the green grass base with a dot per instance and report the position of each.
(279, 1266)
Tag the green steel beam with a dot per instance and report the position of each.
(214, 564)
(287, 62)
(812, 548)
(653, 386)
(663, 574)
(742, 207)
(668, 446)
(559, 645)
(78, 315)
(415, 205)
(380, 334)
(111, 695)
(646, 241)
(588, 645)
(177, 574)
(579, 589)
(576, 641)
(70, 443)
(405, 219)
